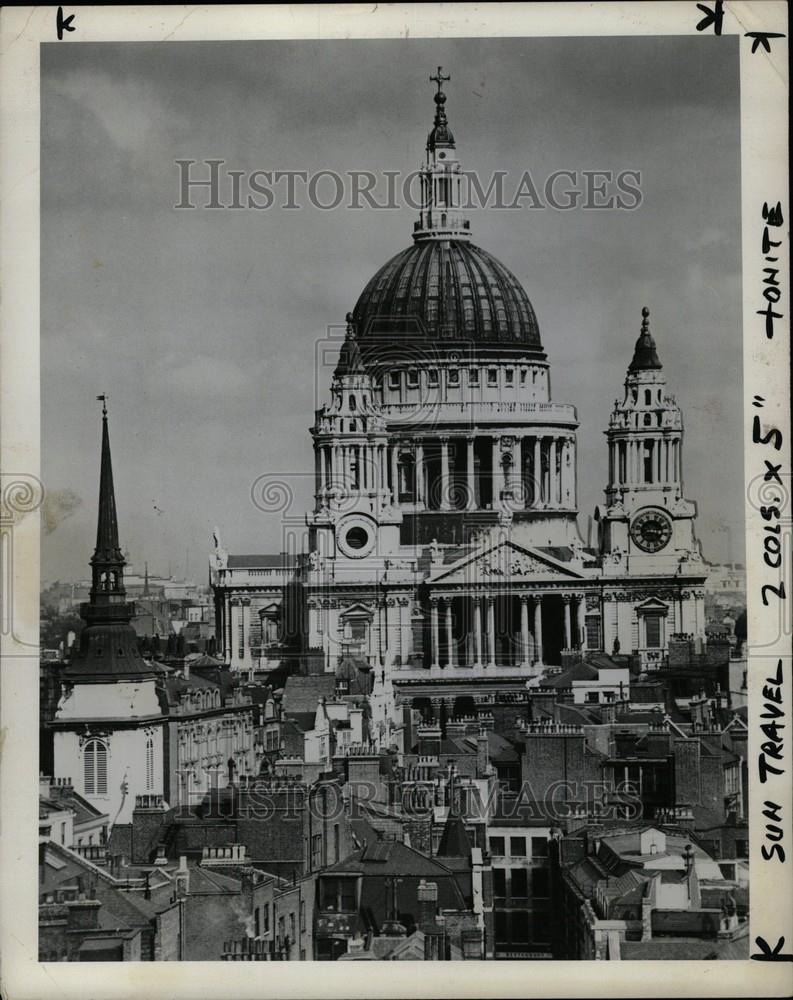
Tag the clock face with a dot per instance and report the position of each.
(651, 530)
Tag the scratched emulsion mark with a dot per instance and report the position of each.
(56, 507)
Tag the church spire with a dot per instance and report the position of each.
(108, 648)
(644, 353)
(107, 562)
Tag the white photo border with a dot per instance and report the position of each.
(764, 181)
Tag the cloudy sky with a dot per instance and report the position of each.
(202, 326)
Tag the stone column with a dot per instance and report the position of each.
(524, 629)
(538, 629)
(435, 641)
(477, 630)
(496, 473)
(553, 484)
(420, 488)
(228, 629)
(491, 629)
(452, 652)
(395, 473)
(568, 641)
(444, 473)
(245, 603)
(564, 473)
(469, 474)
(236, 632)
(537, 472)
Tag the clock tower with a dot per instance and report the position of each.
(646, 524)
(354, 517)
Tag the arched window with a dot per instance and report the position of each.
(353, 404)
(95, 767)
(648, 420)
(149, 764)
(648, 397)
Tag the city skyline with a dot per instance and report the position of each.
(194, 323)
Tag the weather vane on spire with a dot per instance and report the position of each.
(103, 400)
(439, 78)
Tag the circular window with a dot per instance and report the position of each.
(357, 537)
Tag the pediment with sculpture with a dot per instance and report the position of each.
(506, 561)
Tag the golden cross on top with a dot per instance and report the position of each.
(439, 78)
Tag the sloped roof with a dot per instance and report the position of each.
(580, 671)
(302, 694)
(454, 841)
(500, 749)
(83, 810)
(688, 948)
(390, 857)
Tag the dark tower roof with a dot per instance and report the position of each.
(454, 841)
(645, 357)
(108, 644)
(107, 548)
(446, 290)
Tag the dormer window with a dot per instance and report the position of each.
(454, 376)
(413, 379)
(432, 377)
(473, 376)
(509, 375)
(492, 376)
(393, 380)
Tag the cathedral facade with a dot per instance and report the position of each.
(444, 556)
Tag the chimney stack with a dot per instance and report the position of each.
(428, 906)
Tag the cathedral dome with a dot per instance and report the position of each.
(446, 290)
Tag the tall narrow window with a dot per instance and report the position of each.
(95, 767)
(149, 764)
(592, 624)
(652, 624)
